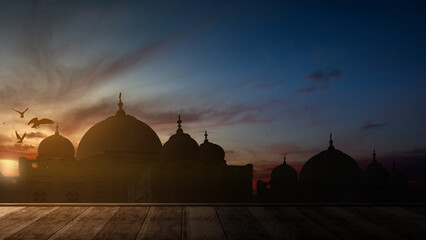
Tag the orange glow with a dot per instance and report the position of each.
(9, 168)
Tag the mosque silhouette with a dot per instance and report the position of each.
(121, 159)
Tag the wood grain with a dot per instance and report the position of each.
(393, 224)
(201, 223)
(239, 223)
(275, 228)
(47, 225)
(162, 223)
(299, 225)
(331, 226)
(87, 224)
(125, 224)
(14, 222)
(7, 210)
(359, 227)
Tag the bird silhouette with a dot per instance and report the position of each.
(20, 139)
(36, 123)
(22, 113)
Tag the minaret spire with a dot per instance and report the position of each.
(285, 158)
(120, 111)
(57, 129)
(374, 156)
(205, 136)
(179, 122)
(331, 147)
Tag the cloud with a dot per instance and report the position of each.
(313, 89)
(324, 75)
(35, 135)
(268, 85)
(17, 150)
(370, 125)
(416, 151)
(281, 148)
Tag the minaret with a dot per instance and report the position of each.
(120, 111)
(331, 147)
(205, 136)
(374, 157)
(57, 129)
(179, 122)
(285, 159)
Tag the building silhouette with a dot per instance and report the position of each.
(333, 176)
(121, 159)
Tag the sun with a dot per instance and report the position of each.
(9, 168)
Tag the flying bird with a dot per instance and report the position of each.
(19, 137)
(22, 113)
(36, 123)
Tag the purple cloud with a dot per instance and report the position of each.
(324, 75)
(36, 135)
(268, 85)
(313, 89)
(370, 125)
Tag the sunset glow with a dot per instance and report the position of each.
(9, 168)
(263, 79)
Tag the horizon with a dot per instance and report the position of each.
(263, 79)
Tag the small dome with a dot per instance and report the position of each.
(211, 152)
(119, 133)
(330, 168)
(56, 146)
(375, 173)
(397, 178)
(283, 176)
(180, 147)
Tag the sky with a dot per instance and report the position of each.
(264, 78)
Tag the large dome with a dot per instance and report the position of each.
(180, 147)
(56, 146)
(119, 133)
(330, 168)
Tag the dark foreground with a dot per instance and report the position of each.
(211, 222)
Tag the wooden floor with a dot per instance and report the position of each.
(212, 222)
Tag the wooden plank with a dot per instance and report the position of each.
(300, 226)
(417, 209)
(47, 225)
(125, 224)
(7, 210)
(405, 215)
(275, 228)
(87, 224)
(239, 223)
(357, 226)
(162, 223)
(201, 223)
(14, 222)
(391, 223)
(337, 230)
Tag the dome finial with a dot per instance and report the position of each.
(331, 147)
(57, 129)
(205, 136)
(179, 122)
(285, 158)
(120, 111)
(374, 156)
